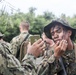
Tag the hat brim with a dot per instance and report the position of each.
(48, 27)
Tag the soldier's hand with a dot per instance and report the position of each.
(60, 48)
(36, 48)
(50, 42)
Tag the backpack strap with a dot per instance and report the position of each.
(18, 52)
(21, 47)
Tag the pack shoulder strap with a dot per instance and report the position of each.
(18, 51)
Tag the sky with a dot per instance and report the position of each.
(57, 7)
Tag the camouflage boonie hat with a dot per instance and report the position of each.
(1, 35)
(61, 22)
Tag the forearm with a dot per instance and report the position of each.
(43, 68)
(29, 60)
(11, 66)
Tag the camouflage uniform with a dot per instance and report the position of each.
(48, 51)
(52, 67)
(1, 40)
(8, 44)
(69, 57)
(16, 44)
(9, 65)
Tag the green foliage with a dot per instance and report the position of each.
(9, 23)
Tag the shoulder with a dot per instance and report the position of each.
(2, 51)
(1, 46)
(14, 38)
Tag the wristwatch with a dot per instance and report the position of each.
(51, 59)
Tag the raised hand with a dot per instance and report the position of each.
(60, 48)
(36, 48)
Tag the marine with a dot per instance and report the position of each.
(10, 65)
(19, 43)
(64, 55)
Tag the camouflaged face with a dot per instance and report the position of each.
(62, 22)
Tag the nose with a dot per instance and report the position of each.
(55, 35)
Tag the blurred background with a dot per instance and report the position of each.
(38, 12)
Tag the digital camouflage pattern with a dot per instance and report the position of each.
(16, 45)
(69, 57)
(51, 68)
(1, 39)
(9, 65)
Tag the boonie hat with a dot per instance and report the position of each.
(61, 22)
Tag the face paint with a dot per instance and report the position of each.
(58, 33)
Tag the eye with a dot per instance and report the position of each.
(59, 30)
(52, 33)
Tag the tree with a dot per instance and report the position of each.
(48, 15)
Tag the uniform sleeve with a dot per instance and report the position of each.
(9, 65)
(13, 46)
(48, 65)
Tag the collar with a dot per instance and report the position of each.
(24, 32)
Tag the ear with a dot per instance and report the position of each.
(69, 32)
